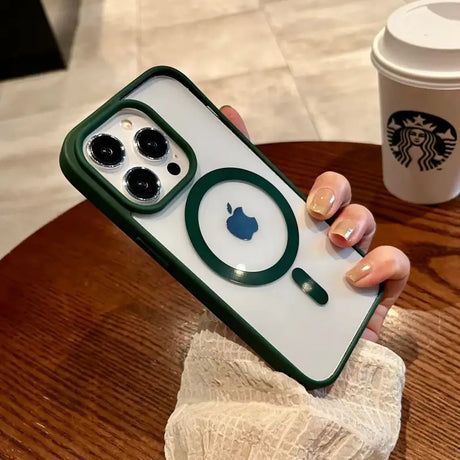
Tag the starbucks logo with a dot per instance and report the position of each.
(420, 140)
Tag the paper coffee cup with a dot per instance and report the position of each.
(417, 56)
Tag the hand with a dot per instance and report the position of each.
(330, 195)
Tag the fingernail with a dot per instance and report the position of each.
(344, 228)
(322, 201)
(358, 272)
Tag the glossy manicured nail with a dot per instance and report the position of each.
(322, 201)
(358, 272)
(344, 228)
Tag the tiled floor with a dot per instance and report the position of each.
(296, 70)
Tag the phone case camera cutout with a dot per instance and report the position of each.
(131, 152)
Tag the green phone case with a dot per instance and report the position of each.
(120, 211)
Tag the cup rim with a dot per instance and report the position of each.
(410, 77)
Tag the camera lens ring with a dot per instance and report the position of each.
(142, 149)
(94, 156)
(144, 186)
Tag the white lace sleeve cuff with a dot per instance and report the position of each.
(232, 405)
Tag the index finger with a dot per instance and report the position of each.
(330, 192)
(235, 118)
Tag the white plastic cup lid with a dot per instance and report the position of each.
(420, 45)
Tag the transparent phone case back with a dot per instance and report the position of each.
(244, 225)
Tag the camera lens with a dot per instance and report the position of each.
(151, 143)
(106, 150)
(142, 183)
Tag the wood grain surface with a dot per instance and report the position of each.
(93, 332)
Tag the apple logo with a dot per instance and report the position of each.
(240, 225)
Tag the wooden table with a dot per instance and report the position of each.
(93, 332)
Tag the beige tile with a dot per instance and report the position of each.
(32, 188)
(156, 14)
(104, 59)
(96, 81)
(62, 89)
(20, 136)
(37, 112)
(107, 32)
(105, 54)
(269, 103)
(213, 49)
(32, 94)
(311, 31)
(63, 16)
(343, 99)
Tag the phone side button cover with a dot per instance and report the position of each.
(164, 262)
(309, 286)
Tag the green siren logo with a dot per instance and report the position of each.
(420, 140)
